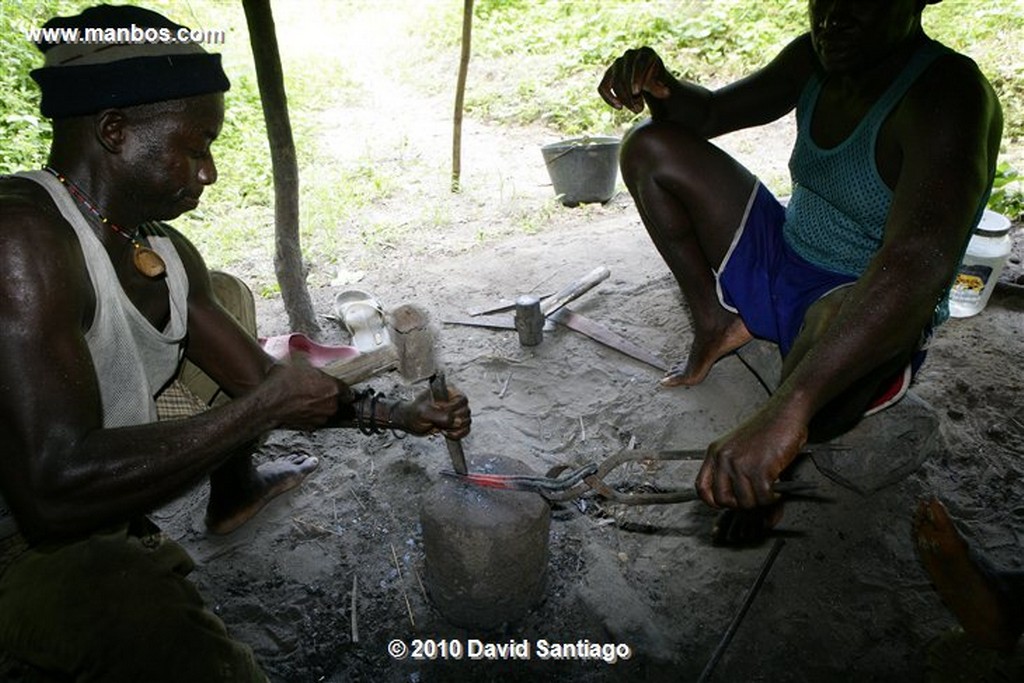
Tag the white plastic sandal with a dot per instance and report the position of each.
(363, 317)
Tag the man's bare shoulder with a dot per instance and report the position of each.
(39, 252)
(952, 86)
(27, 208)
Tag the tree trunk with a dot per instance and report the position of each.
(460, 91)
(291, 272)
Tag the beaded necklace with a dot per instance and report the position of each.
(145, 260)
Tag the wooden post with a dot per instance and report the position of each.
(291, 273)
(414, 341)
(460, 91)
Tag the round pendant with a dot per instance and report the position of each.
(148, 262)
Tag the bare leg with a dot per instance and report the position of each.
(691, 197)
(987, 603)
(238, 489)
(707, 349)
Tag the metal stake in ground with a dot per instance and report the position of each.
(709, 668)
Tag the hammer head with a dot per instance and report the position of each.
(414, 342)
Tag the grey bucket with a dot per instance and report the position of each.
(583, 169)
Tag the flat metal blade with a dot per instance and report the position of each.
(501, 307)
(602, 335)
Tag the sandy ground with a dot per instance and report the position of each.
(846, 592)
(846, 595)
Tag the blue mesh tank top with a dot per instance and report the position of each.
(839, 205)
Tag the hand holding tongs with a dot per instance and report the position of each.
(573, 483)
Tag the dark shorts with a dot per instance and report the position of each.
(767, 283)
(771, 287)
(116, 607)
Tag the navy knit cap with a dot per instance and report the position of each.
(132, 57)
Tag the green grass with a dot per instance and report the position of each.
(541, 60)
(534, 61)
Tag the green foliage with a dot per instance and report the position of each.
(24, 135)
(542, 60)
(334, 199)
(534, 62)
(1008, 192)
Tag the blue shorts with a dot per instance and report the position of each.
(771, 287)
(764, 281)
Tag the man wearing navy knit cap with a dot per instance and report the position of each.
(83, 77)
(100, 303)
(894, 159)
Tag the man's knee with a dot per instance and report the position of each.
(236, 298)
(176, 642)
(59, 614)
(667, 151)
(845, 411)
(816, 322)
(646, 146)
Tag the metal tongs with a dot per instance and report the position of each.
(523, 482)
(563, 483)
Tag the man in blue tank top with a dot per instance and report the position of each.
(894, 160)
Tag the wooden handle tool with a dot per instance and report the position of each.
(439, 391)
(574, 290)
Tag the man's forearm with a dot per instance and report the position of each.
(371, 412)
(879, 322)
(116, 473)
(687, 106)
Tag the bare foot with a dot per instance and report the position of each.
(968, 585)
(707, 349)
(229, 509)
(745, 527)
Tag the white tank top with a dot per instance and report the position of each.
(133, 360)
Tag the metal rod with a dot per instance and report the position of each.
(709, 668)
(522, 482)
(439, 391)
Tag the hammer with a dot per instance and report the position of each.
(414, 341)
